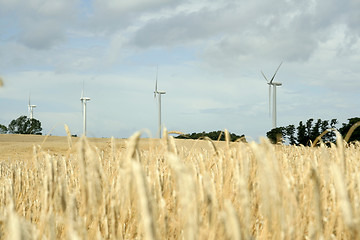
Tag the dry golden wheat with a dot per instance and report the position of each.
(182, 189)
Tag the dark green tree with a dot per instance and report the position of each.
(3, 129)
(355, 136)
(308, 129)
(324, 126)
(330, 136)
(290, 134)
(333, 123)
(301, 134)
(316, 130)
(276, 135)
(25, 125)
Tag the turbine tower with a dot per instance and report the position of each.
(31, 109)
(159, 93)
(83, 103)
(273, 84)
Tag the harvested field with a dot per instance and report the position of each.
(53, 188)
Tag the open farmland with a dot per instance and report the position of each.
(76, 188)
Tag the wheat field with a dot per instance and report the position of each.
(79, 188)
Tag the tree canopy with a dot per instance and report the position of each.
(3, 129)
(25, 125)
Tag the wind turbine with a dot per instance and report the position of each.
(31, 109)
(159, 93)
(273, 84)
(83, 103)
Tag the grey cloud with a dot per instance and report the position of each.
(40, 24)
(43, 36)
(290, 30)
(185, 27)
(352, 16)
(176, 30)
(122, 7)
(110, 16)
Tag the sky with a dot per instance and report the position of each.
(209, 55)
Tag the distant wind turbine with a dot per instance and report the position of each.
(274, 85)
(159, 93)
(83, 103)
(31, 108)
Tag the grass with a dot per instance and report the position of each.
(182, 189)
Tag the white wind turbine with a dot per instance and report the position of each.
(83, 103)
(159, 93)
(31, 108)
(274, 85)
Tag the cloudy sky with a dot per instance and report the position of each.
(210, 54)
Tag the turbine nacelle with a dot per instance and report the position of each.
(158, 92)
(276, 84)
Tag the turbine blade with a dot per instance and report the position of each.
(272, 79)
(156, 86)
(264, 76)
(82, 94)
(157, 72)
(156, 91)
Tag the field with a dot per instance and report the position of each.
(78, 188)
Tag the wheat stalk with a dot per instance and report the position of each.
(181, 189)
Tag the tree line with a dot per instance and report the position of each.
(22, 125)
(214, 135)
(306, 132)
